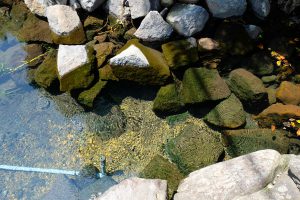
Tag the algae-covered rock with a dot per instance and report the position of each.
(194, 148)
(167, 100)
(103, 50)
(244, 141)
(34, 52)
(228, 114)
(46, 73)
(180, 53)
(200, 85)
(144, 65)
(75, 67)
(106, 73)
(160, 168)
(88, 97)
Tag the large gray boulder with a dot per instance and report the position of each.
(227, 8)
(154, 28)
(187, 19)
(39, 6)
(140, 8)
(260, 175)
(90, 5)
(261, 8)
(65, 25)
(137, 189)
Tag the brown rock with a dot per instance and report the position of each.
(288, 93)
(33, 51)
(207, 44)
(103, 50)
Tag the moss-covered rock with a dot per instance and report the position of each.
(167, 100)
(200, 85)
(244, 141)
(227, 114)
(194, 148)
(141, 64)
(93, 23)
(88, 96)
(34, 52)
(46, 73)
(180, 53)
(106, 73)
(103, 50)
(161, 168)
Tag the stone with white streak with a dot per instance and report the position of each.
(140, 8)
(261, 8)
(137, 189)
(65, 25)
(39, 6)
(226, 8)
(90, 5)
(187, 19)
(154, 28)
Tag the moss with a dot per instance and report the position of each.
(93, 23)
(167, 100)
(77, 36)
(161, 168)
(180, 53)
(46, 73)
(88, 97)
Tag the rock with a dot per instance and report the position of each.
(260, 64)
(233, 39)
(39, 7)
(244, 141)
(33, 52)
(166, 3)
(116, 8)
(137, 189)
(180, 53)
(226, 8)
(74, 66)
(29, 32)
(129, 35)
(93, 23)
(88, 97)
(227, 114)
(140, 8)
(136, 62)
(294, 171)
(269, 79)
(271, 95)
(253, 31)
(161, 168)
(187, 19)
(75, 4)
(106, 73)
(207, 44)
(261, 8)
(277, 113)
(90, 5)
(288, 93)
(65, 25)
(153, 28)
(194, 148)
(46, 74)
(248, 88)
(200, 85)
(167, 100)
(103, 50)
(233, 178)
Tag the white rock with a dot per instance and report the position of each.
(187, 19)
(132, 56)
(137, 189)
(154, 28)
(39, 6)
(236, 177)
(91, 5)
(116, 8)
(261, 8)
(140, 8)
(75, 4)
(226, 8)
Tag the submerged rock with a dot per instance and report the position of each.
(33, 51)
(136, 62)
(90, 5)
(140, 8)
(65, 25)
(88, 96)
(261, 8)
(226, 8)
(187, 19)
(180, 53)
(39, 6)
(153, 28)
(288, 93)
(200, 85)
(227, 114)
(194, 148)
(137, 189)
(74, 66)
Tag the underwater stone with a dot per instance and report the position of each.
(88, 96)
(226, 8)
(65, 25)
(74, 66)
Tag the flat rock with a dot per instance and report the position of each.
(65, 25)
(226, 8)
(187, 19)
(153, 28)
(39, 6)
(90, 5)
(137, 189)
(261, 8)
(200, 85)
(74, 66)
(140, 8)
(288, 93)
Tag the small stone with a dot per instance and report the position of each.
(90, 5)
(271, 95)
(140, 8)
(269, 79)
(226, 8)
(93, 23)
(129, 35)
(33, 51)
(207, 44)
(288, 93)
(253, 31)
(187, 19)
(88, 96)
(103, 50)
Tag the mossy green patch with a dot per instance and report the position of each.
(88, 97)
(77, 36)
